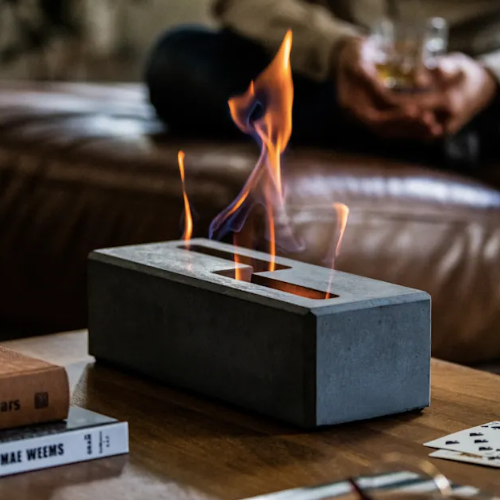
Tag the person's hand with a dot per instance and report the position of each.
(363, 95)
(462, 88)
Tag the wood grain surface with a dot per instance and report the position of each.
(188, 447)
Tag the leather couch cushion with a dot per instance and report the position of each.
(89, 166)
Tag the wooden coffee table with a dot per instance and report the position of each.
(187, 447)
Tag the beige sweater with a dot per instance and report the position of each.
(320, 25)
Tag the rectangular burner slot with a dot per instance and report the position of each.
(258, 265)
(282, 286)
(268, 282)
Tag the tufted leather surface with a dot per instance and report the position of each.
(89, 166)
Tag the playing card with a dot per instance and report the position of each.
(458, 456)
(483, 440)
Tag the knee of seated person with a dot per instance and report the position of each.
(176, 54)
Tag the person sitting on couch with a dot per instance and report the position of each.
(339, 100)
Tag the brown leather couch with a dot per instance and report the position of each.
(89, 166)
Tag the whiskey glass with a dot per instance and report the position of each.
(403, 50)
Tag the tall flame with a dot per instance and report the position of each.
(188, 219)
(273, 89)
(271, 93)
(342, 214)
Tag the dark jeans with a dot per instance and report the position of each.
(192, 72)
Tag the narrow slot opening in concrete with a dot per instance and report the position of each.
(258, 265)
(254, 266)
(283, 286)
(247, 274)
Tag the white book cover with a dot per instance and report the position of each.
(84, 435)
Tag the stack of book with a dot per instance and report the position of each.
(39, 429)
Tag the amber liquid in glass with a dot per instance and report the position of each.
(396, 76)
(399, 65)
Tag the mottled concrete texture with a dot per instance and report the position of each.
(163, 311)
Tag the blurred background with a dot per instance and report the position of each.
(86, 40)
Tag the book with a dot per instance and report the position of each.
(31, 390)
(83, 436)
(401, 481)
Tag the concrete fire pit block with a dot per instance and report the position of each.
(272, 343)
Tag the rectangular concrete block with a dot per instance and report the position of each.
(273, 342)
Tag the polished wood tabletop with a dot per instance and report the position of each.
(183, 446)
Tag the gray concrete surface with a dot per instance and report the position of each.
(166, 312)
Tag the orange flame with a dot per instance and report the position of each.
(342, 212)
(238, 274)
(272, 231)
(188, 219)
(274, 129)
